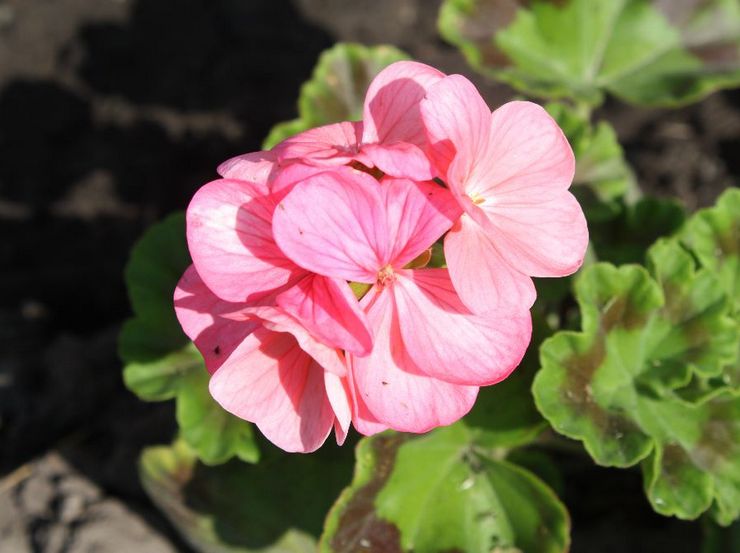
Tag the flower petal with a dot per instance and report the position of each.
(418, 214)
(254, 167)
(391, 113)
(400, 159)
(271, 381)
(483, 279)
(395, 391)
(200, 313)
(458, 124)
(447, 341)
(277, 320)
(542, 238)
(343, 234)
(527, 158)
(328, 310)
(337, 390)
(334, 144)
(229, 233)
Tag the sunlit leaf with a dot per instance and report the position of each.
(613, 384)
(643, 51)
(438, 493)
(276, 506)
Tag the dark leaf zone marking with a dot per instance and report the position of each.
(359, 529)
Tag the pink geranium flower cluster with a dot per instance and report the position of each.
(288, 239)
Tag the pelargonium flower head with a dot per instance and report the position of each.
(229, 232)
(509, 171)
(390, 136)
(430, 353)
(267, 368)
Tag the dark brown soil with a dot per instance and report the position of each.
(113, 112)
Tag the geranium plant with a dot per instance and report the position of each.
(370, 273)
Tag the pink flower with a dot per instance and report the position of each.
(391, 135)
(509, 171)
(430, 353)
(229, 231)
(267, 368)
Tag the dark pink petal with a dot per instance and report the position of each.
(328, 310)
(254, 167)
(270, 381)
(391, 113)
(334, 224)
(334, 144)
(287, 177)
(393, 388)
(400, 159)
(229, 233)
(200, 314)
(418, 214)
(545, 238)
(458, 125)
(447, 341)
(481, 275)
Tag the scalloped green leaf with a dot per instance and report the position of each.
(336, 90)
(613, 384)
(646, 52)
(160, 362)
(274, 507)
(602, 174)
(440, 492)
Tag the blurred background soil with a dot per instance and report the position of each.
(112, 113)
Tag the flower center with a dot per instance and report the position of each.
(385, 276)
(476, 198)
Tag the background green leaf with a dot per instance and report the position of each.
(647, 52)
(442, 492)
(160, 362)
(336, 90)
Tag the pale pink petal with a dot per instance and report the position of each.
(334, 144)
(200, 313)
(393, 388)
(230, 239)
(528, 158)
(254, 167)
(337, 390)
(447, 341)
(400, 159)
(391, 113)
(334, 224)
(418, 214)
(270, 381)
(277, 320)
(362, 419)
(481, 275)
(329, 310)
(458, 125)
(543, 239)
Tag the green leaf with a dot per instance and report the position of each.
(713, 235)
(336, 90)
(602, 174)
(612, 385)
(439, 492)
(160, 361)
(274, 507)
(645, 52)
